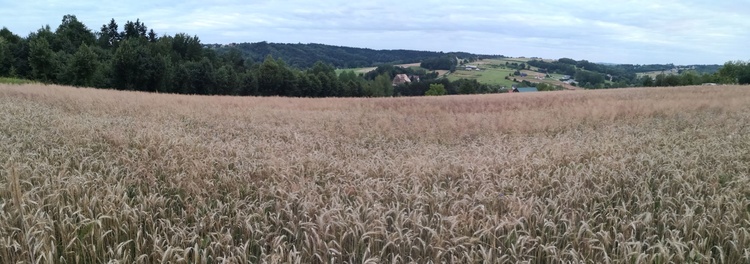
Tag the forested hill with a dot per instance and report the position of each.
(304, 56)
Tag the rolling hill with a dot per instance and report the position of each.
(305, 55)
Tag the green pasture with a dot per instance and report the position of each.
(487, 74)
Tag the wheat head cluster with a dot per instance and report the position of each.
(615, 176)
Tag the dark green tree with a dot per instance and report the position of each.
(183, 78)
(227, 81)
(326, 84)
(592, 78)
(303, 84)
(440, 63)
(103, 75)
(152, 37)
(328, 79)
(136, 67)
(71, 34)
(20, 66)
(660, 80)
(735, 72)
(5, 57)
(289, 85)
(647, 81)
(351, 83)
(467, 87)
(346, 76)
(436, 89)
(135, 30)
(709, 78)
(127, 65)
(9, 36)
(82, 66)
(159, 73)
(187, 47)
(42, 60)
(310, 84)
(235, 59)
(109, 35)
(270, 77)
(381, 86)
(205, 77)
(672, 80)
(353, 88)
(689, 78)
(249, 84)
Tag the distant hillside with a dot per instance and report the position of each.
(596, 75)
(305, 55)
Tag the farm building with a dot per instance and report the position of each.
(401, 79)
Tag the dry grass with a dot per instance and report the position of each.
(618, 176)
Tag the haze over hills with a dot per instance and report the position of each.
(305, 55)
(500, 70)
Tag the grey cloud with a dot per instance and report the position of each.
(635, 31)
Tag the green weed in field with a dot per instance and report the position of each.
(8, 80)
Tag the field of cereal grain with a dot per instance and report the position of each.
(614, 176)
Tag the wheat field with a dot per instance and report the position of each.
(617, 176)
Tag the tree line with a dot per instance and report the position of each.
(594, 75)
(137, 58)
(440, 63)
(306, 55)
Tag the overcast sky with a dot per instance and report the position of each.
(638, 31)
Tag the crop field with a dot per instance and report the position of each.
(612, 176)
(536, 77)
(369, 69)
(486, 75)
(653, 74)
(493, 71)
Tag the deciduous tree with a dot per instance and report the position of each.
(5, 57)
(436, 89)
(82, 66)
(42, 60)
(187, 47)
(72, 33)
(136, 67)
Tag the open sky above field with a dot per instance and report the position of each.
(637, 31)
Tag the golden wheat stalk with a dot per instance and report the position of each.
(17, 194)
